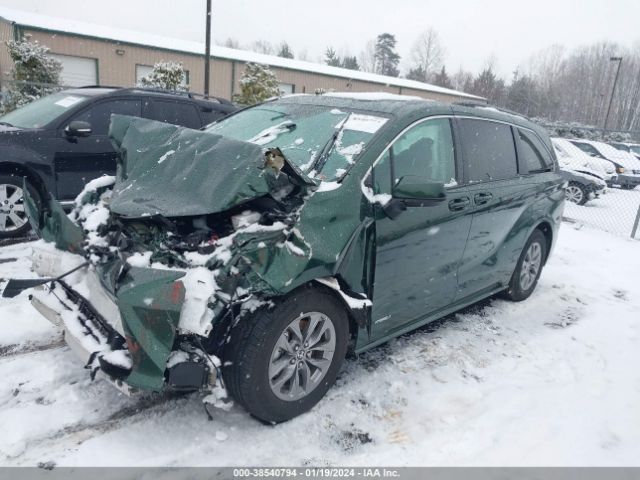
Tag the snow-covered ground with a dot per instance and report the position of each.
(554, 380)
(613, 212)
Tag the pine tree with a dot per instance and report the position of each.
(442, 79)
(35, 74)
(285, 51)
(257, 84)
(350, 62)
(165, 76)
(387, 58)
(416, 73)
(330, 57)
(524, 96)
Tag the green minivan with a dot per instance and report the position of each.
(254, 255)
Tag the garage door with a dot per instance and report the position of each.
(77, 71)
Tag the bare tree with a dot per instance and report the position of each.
(367, 57)
(231, 43)
(427, 54)
(462, 80)
(262, 46)
(303, 55)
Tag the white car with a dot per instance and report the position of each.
(627, 164)
(633, 148)
(573, 158)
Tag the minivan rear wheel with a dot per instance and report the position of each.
(13, 217)
(527, 272)
(281, 361)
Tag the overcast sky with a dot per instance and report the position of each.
(472, 31)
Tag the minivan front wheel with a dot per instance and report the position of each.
(527, 272)
(13, 217)
(281, 361)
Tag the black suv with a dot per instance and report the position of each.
(60, 142)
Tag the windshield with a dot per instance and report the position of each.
(621, 146)
(590, 149)
(322, 141)
(43, 111)
(635, 149)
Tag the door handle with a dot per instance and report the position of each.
(459, 204)
(482, 198)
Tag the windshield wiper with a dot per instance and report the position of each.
(6, 124)
(319, 162)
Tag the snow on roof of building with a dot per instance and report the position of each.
(65, 25)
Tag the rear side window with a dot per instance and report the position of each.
(531, 153)
(99, 114)
(177, 113)
(489, 151)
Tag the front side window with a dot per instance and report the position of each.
(531, 153)
(426, 151)
(489, 151)
(99, 115)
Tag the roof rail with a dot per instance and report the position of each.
(195, 96)
(98, 86)
(487, 105)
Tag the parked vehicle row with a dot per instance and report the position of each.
(589, 167)
(60, 142)
(627, 165)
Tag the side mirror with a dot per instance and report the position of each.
(78, 128)
(419, 188)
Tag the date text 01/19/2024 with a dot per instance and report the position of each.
(310, 472)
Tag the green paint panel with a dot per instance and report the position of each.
(150, 302)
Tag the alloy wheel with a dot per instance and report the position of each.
(574, 194)
(302, 356)
(12, 214)
(530, 266)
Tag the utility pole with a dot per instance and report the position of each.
(207, 51)
(613, 91)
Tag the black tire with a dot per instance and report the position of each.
(518, 292)
(248, 354)
(583, 196)
(13, 183)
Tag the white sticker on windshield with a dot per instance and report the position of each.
(66, 102)
(364, 123)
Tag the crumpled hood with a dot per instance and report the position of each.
(174, 171)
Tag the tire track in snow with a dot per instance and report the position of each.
(13, 350)
(38, 449)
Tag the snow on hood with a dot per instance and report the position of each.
(175, 171)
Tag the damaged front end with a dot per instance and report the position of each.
(194, 231)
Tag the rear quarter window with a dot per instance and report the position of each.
(533, 156)
(488, 150)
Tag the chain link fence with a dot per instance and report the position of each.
(615, 211)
